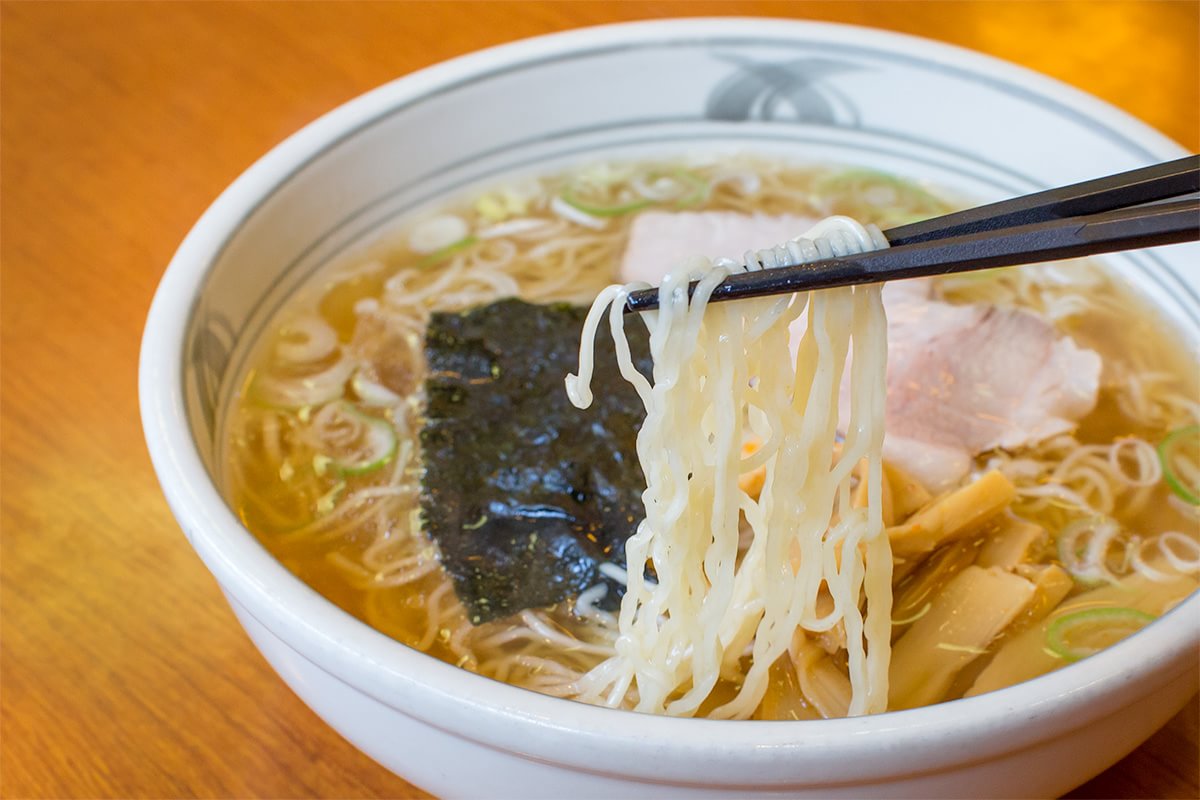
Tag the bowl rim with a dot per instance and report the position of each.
(486, 711)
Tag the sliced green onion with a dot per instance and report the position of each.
(895, 201)
(320, 464)
(286, 392)
(1080, 634)
(442, 253)
(434, 233)
(361, 443)
(373, 393)
(380, 448)
(306, 340)
(602, 209)
(864, 180)
(695, 188)
(491, 208)
(327, 501)
(700, 188)
(1168, 449)
(1083, 549)
(476, 525)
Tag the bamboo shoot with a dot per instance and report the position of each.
(965, 617)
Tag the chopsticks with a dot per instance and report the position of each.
(1105, 215)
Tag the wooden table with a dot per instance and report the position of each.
(124, 674)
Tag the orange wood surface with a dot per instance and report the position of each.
(122, 671)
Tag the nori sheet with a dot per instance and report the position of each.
(525, 494)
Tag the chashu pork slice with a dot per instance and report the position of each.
(961, 380)
(658, 240)
(965, 379)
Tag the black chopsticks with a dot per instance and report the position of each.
(1119, 212)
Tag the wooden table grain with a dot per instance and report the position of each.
(122, 671)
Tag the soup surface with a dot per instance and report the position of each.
(1036, 551)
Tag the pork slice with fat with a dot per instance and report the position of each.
(658, 240)
(964, 379)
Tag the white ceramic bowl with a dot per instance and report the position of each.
(972, 124)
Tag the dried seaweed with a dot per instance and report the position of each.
(525, 494)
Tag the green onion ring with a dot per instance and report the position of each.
(442, 253)
(1166, 449)
(1061, 628)
(620, 210)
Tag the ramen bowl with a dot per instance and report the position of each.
(976, 127)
